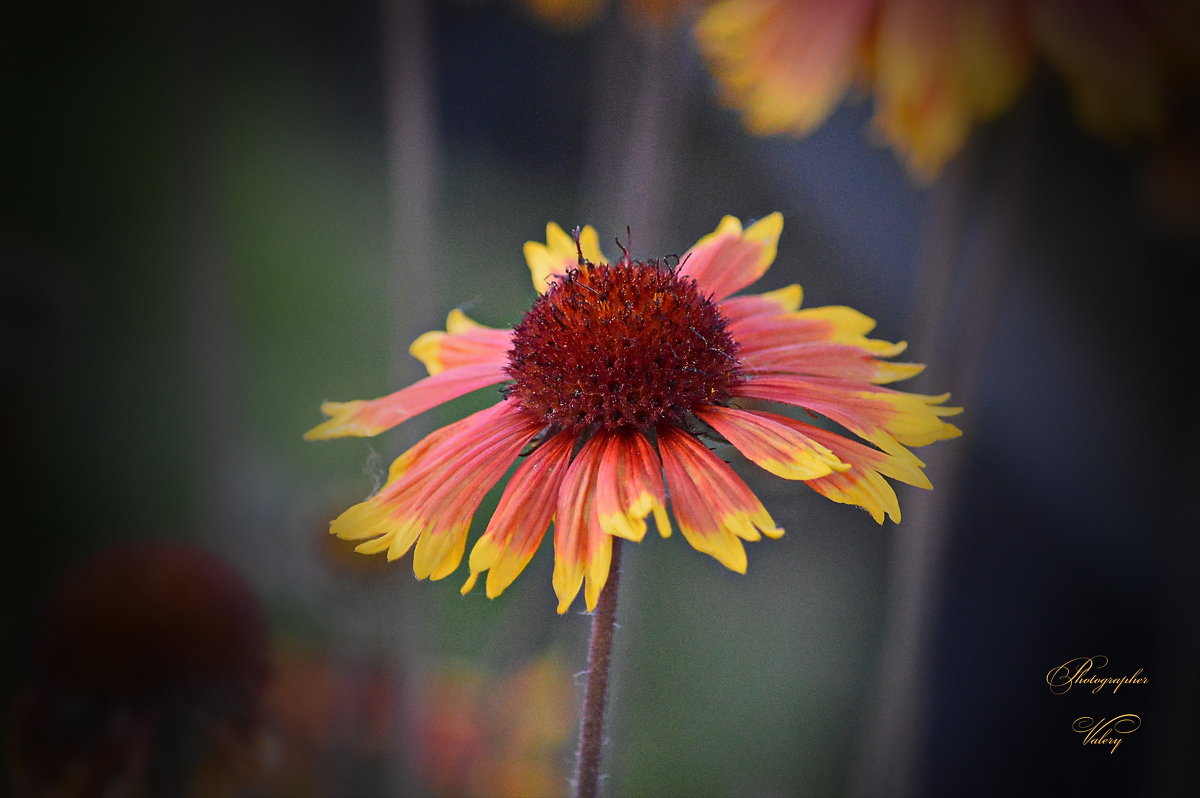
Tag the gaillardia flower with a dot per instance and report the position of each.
(613, 379)
(937, 68)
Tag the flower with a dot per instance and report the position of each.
(149, 666)
(319, 709)
(500, 735)
(612, 378)
(938, 67)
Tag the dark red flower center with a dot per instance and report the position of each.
(630, 344)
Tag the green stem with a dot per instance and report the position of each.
(595, 696)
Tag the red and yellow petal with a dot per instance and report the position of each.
(771, 303)
(582, 550)
(772, 444)
(371, 417)
(559, 254)
(730, 258)
(522, 516)
(784, 63)
(886, 417)
(835, 324)
(714, 508)
(820, 359)
(863, 484)
(431, 496)
(416, 455)
(629, 487)
(464, 343)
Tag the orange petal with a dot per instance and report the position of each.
(582, 550)
(714, 508)
(464, 343)
(432, 495)
(828, 360)
(771, 303)
(558, 255)
(729, 258)
(863, 484)
(835, 324)
(773, 445)
(522, 516)
(887, 418)
(366, 418)
(629, 487)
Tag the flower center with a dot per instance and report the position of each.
(629, 344)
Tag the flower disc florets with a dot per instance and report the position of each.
(629, 344)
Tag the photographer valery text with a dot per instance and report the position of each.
(1080, 671)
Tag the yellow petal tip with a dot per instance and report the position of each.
(469, 585)
(341, 422)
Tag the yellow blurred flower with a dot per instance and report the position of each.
(938, 67)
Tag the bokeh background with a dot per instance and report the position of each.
(218, 215)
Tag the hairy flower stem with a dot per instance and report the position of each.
(595, 695)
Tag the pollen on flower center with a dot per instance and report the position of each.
(628, 344)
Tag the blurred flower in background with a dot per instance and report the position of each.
(610, 358)
(332, 729)
(482, 735)
(939, 67)
(565, 14)
(147, 677)
(321, 718)
(575, 14)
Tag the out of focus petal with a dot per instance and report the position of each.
(1102, 49)
(784, 64)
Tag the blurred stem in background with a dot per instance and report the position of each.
(636, 122)
(413, 174)
(398, 630)
(203, 262)
(956, 298)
